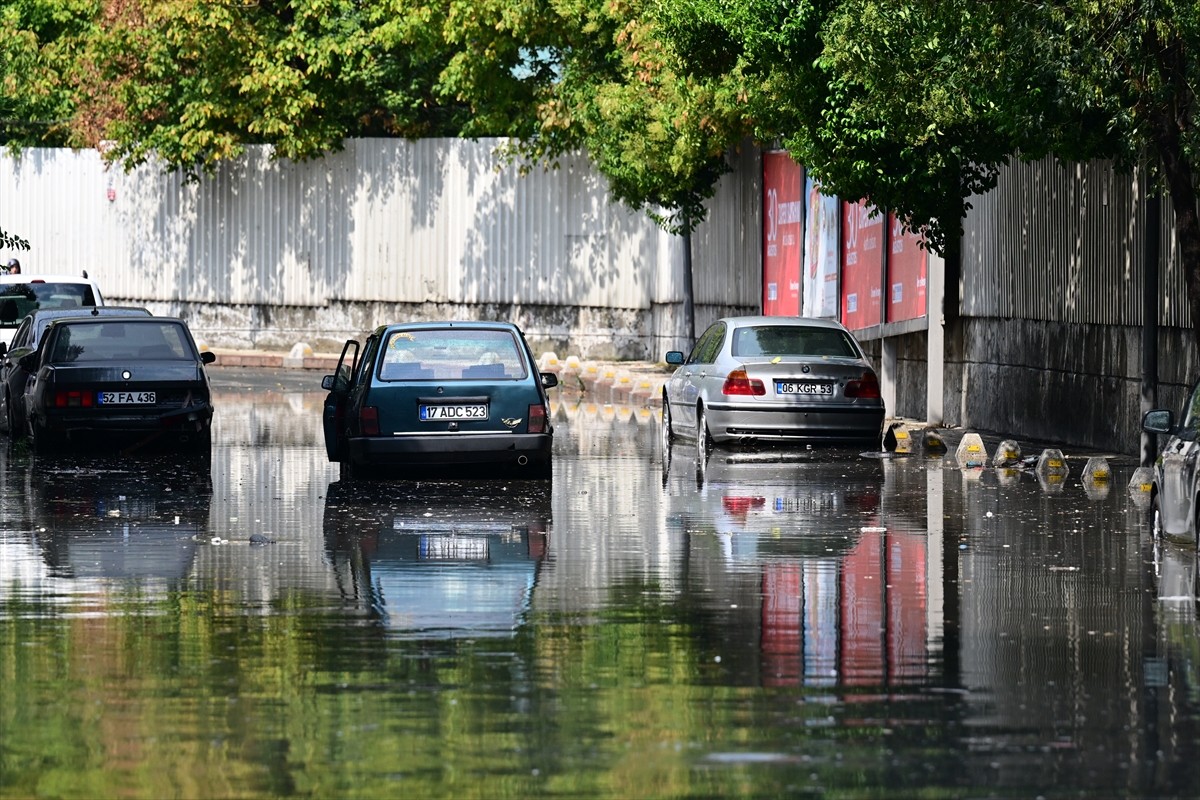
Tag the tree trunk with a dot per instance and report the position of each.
(1177, 173)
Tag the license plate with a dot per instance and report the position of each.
(453, 548)
(125, 398)
(803, 387)
(454, 412)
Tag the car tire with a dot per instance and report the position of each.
(201, 445)
(704, 440)
(668, 431)
(16, 429)
(1155, 518)
(42, 441)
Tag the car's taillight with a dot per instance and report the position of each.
(74, 399)
(738, 382)
(866, 387)
(537, 418)
(368, 421)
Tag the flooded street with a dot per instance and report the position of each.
(792, 623)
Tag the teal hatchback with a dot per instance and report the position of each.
(440, 396)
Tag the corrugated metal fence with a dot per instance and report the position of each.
(434, 220)
(1063, 243)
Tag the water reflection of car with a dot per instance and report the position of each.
(779, 501)
(136, 519)
(438, 560)
(772, 379)
(1175, 492)
(14, 378)
(440, 394)
(128, 382)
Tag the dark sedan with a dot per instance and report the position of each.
(132, 382)
(14, 379)
(449, 395)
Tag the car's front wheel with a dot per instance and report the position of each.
(704, 440)
(668, 432)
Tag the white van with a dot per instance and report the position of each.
(21, 293)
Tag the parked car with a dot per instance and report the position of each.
(21, 294)
(14, 379)
(134, 381)
(418, 396)
(1175, 490)
(772, 379)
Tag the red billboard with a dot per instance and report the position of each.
(863, 234)
(907, 266)
(783, 218)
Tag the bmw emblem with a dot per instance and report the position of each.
(805, 369)
(126, 374)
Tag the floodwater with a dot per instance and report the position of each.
(808, 623)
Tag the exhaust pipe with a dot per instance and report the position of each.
(522, 460)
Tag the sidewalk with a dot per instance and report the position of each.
(636, 383)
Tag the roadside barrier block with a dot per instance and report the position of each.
(1008, 454)
(971, 453)
(1141, 486)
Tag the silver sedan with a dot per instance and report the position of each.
(773, 379)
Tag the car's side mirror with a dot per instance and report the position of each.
(1160, 420)
(208, 356)
(674, 357)
(29, 363)
(327, 383)
(3, 349)
(549, 380)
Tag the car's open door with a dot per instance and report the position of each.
(338, 385)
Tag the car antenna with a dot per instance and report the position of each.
(85, 273)
(95, 311)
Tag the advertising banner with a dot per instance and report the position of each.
(862, 265)
(783, 220)
(820, 253)
(908, 262)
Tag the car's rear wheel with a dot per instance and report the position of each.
(42, 441)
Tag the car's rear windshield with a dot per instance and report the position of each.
(792, 340)
(118, 340)
(18, 299)
(449, 354)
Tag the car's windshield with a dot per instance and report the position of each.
(451, 354)
(118, 340)
(18, 299)
(792, 340)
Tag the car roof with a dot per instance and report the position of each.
(39, 314)
(812, 322)
(478, 325)
(88, 318)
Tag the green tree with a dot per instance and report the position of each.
(915, 105)
(39, 56)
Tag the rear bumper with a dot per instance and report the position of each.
(417, 450)
(795, 423)
(194, 418)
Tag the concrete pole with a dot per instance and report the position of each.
(1152, 248)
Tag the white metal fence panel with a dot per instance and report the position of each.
(1064, 242)
(435, 220)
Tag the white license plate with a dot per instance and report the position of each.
(125, 398)
(441, 412)
(803, 387)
